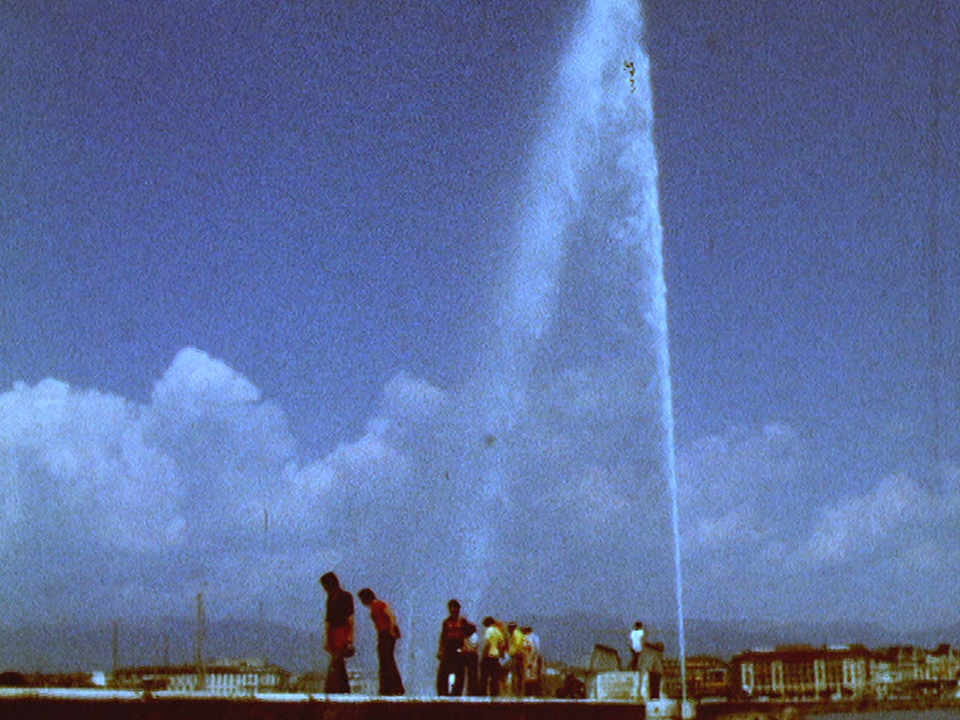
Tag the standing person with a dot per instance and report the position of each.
(515, 664)
(454, 631)
(493, 653)
(339, 633)
(471, 660)
(388, 632)
(532, 663)
(636, 644)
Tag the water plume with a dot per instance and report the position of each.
(577, 472)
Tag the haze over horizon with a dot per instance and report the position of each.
(250, 258)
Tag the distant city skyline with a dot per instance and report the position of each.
(570, 640)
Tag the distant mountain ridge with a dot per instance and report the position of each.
(75, 647)
(568, 639)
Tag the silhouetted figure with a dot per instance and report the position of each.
(388, 632)
(339, 625)
(453, 633)
(573, 688)
(471, 660)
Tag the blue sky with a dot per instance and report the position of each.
(241, 245)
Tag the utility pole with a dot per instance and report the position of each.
(165, 657)
(201, 636)
(262, 622)
(262, 617)
(116, 647)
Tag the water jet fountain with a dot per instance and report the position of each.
(577, 391)
(547, 486)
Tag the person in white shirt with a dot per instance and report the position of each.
(636, 644)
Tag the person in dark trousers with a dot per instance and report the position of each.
(471, 660)
(339, 625)
(515, 662)
(388, 632)
(636, 644)
(651, 663)
(492, 656)
(455, 630)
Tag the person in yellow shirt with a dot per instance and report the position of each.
(492, 655)
(532, 663)
(514, 665)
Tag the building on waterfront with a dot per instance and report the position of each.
(836, 673)
(226, 678)
(73, 680)
(908, 671)
(942, 666)
(708, 677)
(803, 673)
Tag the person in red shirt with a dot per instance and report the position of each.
(388, 632)
(456, 629)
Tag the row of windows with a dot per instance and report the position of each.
(816, 676)
(218, 682)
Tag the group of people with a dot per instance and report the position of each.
(502, 657)
(497, 658)
(339, 626)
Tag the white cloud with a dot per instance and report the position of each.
(99, 487)
(196, 385)
(759, 534)
(736, 526)
(737, 489)
(76, 466)
(232, 450)
(376, 505)
(412, 400)
(879, 520)
(203, 485)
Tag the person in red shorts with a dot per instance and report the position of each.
(339, 633)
